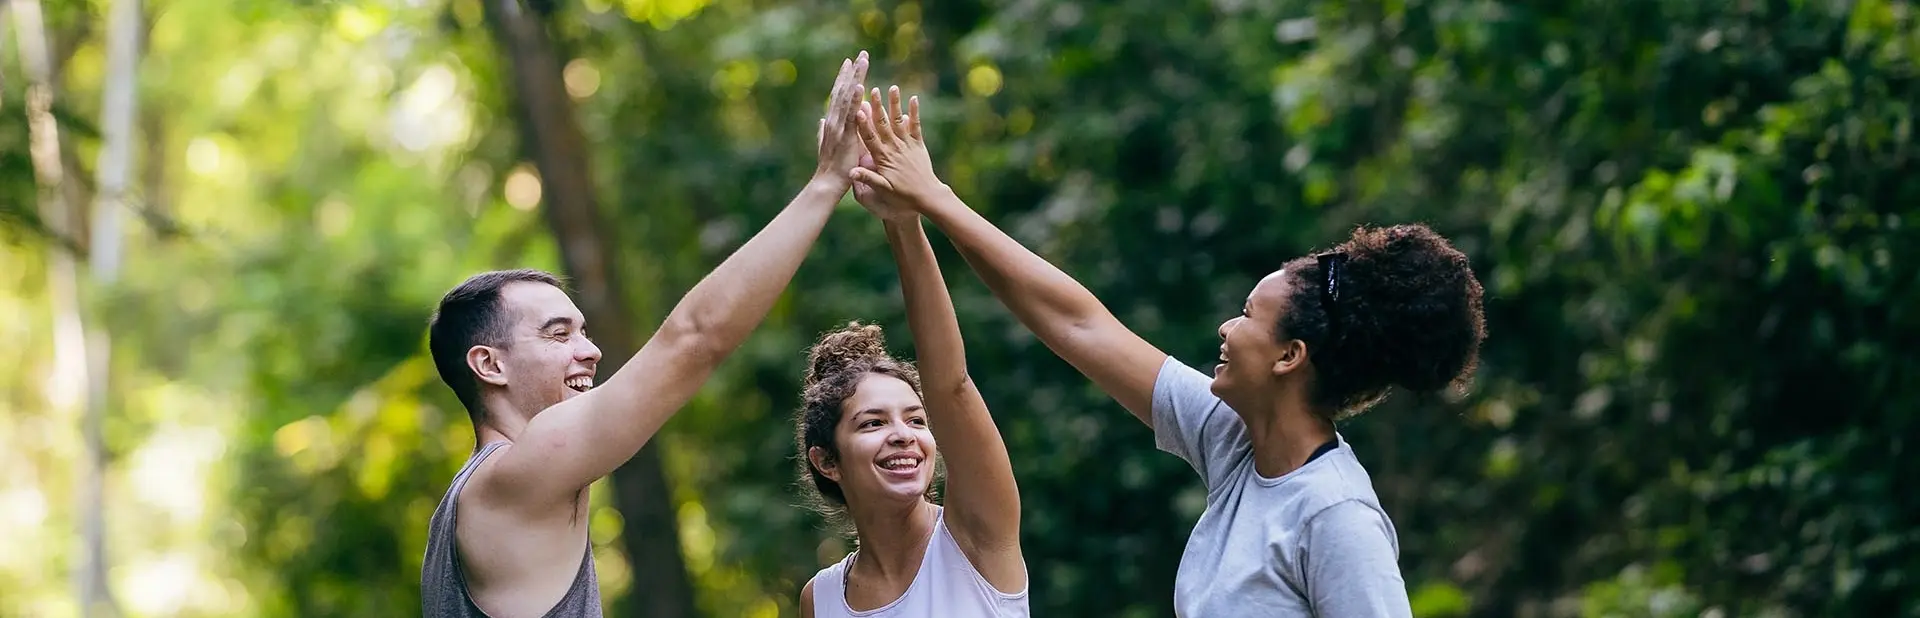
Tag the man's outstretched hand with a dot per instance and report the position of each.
(840, 145)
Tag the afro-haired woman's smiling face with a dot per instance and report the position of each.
(1252, 353)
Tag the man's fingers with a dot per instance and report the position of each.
(860, 65)
(849, 88)
(840, 85)
(913, 118)
(858, 80)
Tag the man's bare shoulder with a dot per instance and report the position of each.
(516, 560)
(479, 522)
(484, 509)
(488, 495)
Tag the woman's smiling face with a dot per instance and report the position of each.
(886, 450)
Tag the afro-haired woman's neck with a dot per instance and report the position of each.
(1285, 434)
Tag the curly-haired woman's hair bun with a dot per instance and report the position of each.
(842, 348)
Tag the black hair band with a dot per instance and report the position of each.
(1331, 264)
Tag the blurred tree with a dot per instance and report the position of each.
(105, 246)
(62, 211)
(553, 140)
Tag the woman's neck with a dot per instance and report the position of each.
(1286, 436)
(893, 539)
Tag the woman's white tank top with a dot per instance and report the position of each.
(947, 585)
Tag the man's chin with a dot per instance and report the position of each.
(564, 395)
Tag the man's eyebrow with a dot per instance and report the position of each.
(556, 321)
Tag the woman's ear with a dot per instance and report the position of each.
(823, 463)
(1293, 356)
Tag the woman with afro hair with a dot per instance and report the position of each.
(1292, 525)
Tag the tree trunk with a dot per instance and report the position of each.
(118, 98)
(71, 387)
(153, 173)
(6, 11)
(552, 138)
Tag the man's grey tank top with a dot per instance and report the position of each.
(443, 586)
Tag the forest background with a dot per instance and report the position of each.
(223, 224)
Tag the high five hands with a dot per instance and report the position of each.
(869, 142)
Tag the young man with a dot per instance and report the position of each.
(509, 539)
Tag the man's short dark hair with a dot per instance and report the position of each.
(469, 315)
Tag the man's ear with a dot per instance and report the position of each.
(486, 365)
(1293, 356)
(823, 463)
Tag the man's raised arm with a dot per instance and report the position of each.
(574, 443)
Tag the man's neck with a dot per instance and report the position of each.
(484, 435)
(893, 540)
(502, 423)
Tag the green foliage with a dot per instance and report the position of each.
(1438, 599)
(1694, 222)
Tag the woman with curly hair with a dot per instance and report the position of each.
(1292, 525)
(870, 443)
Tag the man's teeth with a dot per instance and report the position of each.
(900, 463)
(580, 384)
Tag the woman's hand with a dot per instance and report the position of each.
(881, 207)
(864, 194)
(901, 172)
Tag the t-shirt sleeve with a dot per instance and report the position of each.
(1352, 564)
(1189, 421)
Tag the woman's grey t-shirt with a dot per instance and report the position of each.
(1313, 542)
